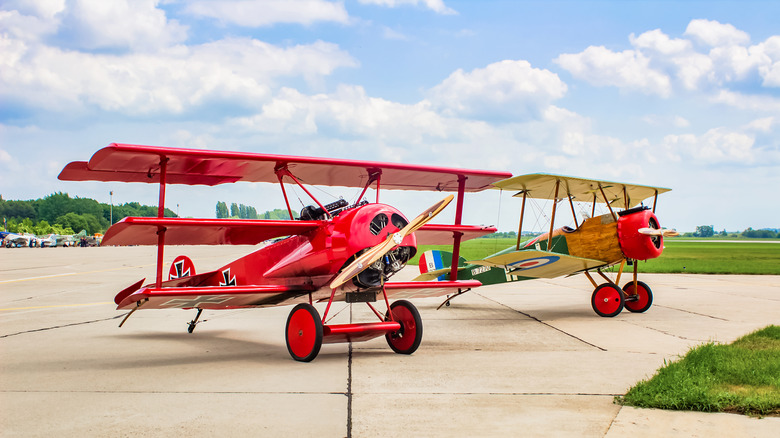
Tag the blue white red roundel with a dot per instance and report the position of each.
(537, 262)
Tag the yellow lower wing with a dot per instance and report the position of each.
(539, 264)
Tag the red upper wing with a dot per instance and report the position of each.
(135, 163)
(143, 231)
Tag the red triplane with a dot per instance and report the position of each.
(336, 252)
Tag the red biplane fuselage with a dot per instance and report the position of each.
(336, 252)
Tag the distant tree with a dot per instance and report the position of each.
(759, 234)
(704, 231)
(234, 212)
(222, 210)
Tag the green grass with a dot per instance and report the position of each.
(716, 257)
(742, 377)
(693, 257)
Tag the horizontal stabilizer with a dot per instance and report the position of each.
(187, 231)
(538, 264)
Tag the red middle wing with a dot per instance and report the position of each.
(143, 231)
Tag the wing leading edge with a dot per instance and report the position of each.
(542, 186)
(137, 163)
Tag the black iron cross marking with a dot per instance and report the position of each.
(228, 281)
(179, 266)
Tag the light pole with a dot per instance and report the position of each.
(111, 209)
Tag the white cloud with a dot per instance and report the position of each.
(748, 102)
(434, 5)
(763, 125)
(628, 69)
(657, 63)
(718, 145)
(119, 24)
(257, 13)
(715, 34)
(505, 90)
(173, 80)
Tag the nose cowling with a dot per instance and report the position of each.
(634, 244)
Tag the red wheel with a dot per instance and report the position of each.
(304, 333)
(640, 300)
(607, 300)
(407, 339)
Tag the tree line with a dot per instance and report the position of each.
(241, 211)
(750, 233)
(60, 214)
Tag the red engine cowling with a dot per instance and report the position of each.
(634, 244)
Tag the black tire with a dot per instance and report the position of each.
(607, 300)
(645, 297)
(408, 338)
(303, 333)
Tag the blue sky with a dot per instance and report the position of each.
(679, 94)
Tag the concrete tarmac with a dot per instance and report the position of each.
(522, 359)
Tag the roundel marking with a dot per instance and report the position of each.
(534, 263)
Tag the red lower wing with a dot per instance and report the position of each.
(208, 297)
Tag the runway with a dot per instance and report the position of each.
(520, 359)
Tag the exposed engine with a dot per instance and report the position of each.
(384, 268)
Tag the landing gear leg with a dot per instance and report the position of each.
(194, 322)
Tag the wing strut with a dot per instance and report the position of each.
(456, 236)
(284, 171)
(161, 214)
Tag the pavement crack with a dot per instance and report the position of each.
(349, 384)
(543, 323)
(60, 326)
(694, 313)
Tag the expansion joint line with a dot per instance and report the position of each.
(542, 322)
(60, 326)
(349, 383)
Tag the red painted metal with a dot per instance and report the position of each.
(304, 333)
(456, 235)
(286, 172)
(634, 244)
(607, 300)
(161, 214)
(131, 163)
(188, 231)
(333, 334)
(293, 270)
(441, 234)
(644, 296)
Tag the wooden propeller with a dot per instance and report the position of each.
(658, 232)
(367, 258)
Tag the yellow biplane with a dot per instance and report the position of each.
(629, 232)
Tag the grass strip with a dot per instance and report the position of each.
(742, 377)
(692, 257)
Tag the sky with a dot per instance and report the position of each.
(677, 94)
